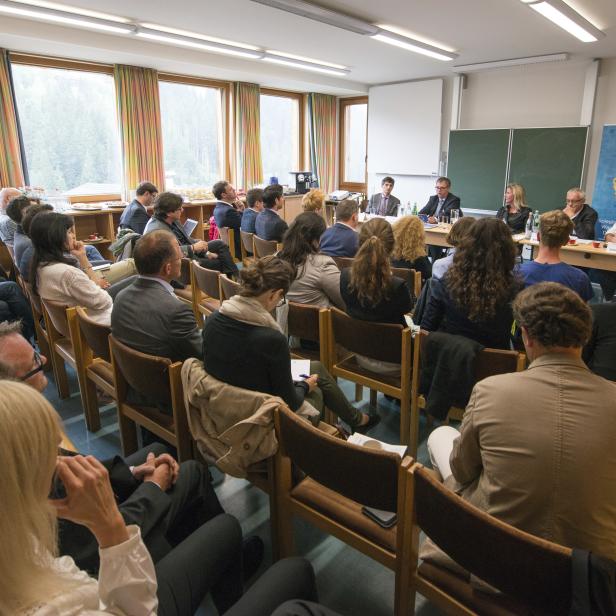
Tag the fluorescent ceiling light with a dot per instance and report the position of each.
(561, 14)
(196, 35)
(72, 9)
(325, 16)
(283, 54)
(482, 66)
(63, 17)
(309, 66)
(196, 43)
(413, 45)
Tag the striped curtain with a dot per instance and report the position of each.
(140, 129)
(248, 134)
(322, 129)
(11, 168)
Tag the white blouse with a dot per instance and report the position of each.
(69, 285)
(126, 584)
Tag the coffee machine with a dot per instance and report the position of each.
(304, 181)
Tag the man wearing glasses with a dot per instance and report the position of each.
(584, 218)
(18, 360)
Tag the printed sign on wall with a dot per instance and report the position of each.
(604, 196)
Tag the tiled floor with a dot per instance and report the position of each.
(348, 581)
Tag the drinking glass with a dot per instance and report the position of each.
(455, 216)
(443, 219)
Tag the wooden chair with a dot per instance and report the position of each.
(340, 479)
(6, 261)
(411, 277)
(533, 574)
(155, 378)
(228, 287)
(205, 289)
(263, 248)
(42, 338)
(247, 247)
(343, 262)
(186, 294)
(227, 235)
(488, 362)
(60, 346)
(379, 341)
(91, 345)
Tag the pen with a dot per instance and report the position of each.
(305, 376)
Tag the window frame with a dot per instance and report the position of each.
(343, 104)
(301, 127)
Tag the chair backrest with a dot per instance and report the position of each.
(228, 288)
(411, 277)
(206, 280)
(6, 259)
(303, 321)
(95, 334)
(343, 262)
(367, 476)
(263, 248)
(380, 341)
(227, 235)
(224, 234)
(532, 570)
(247, 241)
(146, 374)
(185, 271)
(57, 314)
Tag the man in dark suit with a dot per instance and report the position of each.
(136, 216)
(268, 224)
(440, 204)
(254, 205)
(341, 240)
(384, 203)
(147, 315)
(226, 212)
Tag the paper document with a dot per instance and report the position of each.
(189, 226)
(298, 367)
(372, 443)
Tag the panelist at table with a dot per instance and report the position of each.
(583, 216)
(384, 203)
(515, 212)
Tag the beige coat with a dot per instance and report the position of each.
(232, 426)
(538, 450)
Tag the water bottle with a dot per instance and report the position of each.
(529, 227)
(415, 210)
(407, 209)
(536, 221)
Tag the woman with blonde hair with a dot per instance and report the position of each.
(33, 580)
(368, 288)
(515, 212)
(313, 201)
(410, 246)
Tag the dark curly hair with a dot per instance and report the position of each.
(481, 277)
(553, 315)
(302, 239)
(267, 274)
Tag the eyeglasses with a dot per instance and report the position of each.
(282, 301)
(39, 366)
(574, 200)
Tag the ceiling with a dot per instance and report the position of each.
(478, 30)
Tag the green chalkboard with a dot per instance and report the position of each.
(547, 162)
(477, 167)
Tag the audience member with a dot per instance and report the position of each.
(22, 245)
(368, 288)
(168, 327)
(456, 233)
(384, 203)
(18, 359)
(254, 205)
(584, 217)
(136, 215)
(213, 255)
(60, 270)
(341, 239)
(225, 212)
(600, 351)
(244, 346)
(268, 223)
(474, 298)
(515, 212)
(610, 234)
(554, 230)
(314, 201)
(410, 246)
(536, 448)
(317, 277)
(14, 307)
(7, 226)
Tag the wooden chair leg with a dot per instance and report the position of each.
(90, 406)
(359, 392)
(59, 373)
(329, 417)
(405, 425)
(128, 433)
(373, 403)
(413, 439)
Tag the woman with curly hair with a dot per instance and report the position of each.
(474, 298)
(313, 201)
(410, 246)
(369, 290)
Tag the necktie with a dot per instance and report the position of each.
(439, 207)
(383, 210)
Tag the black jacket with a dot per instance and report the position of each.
(584, 223)
(600, 351)
(451, 203)
(516, 222)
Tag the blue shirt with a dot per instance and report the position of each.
(572, 277)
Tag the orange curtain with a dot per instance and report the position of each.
(248, 135)
(140, 129)
(322, 118)
(11, 170)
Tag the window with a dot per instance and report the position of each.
(280, 130)
(353, 131)
(191, 117)
(70, 131)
